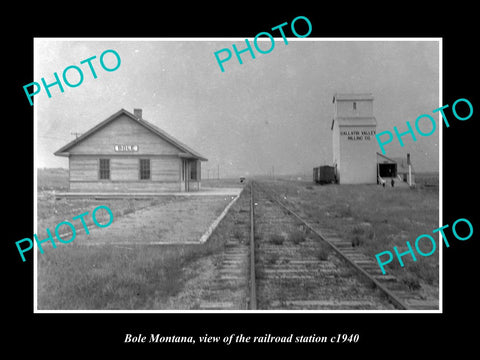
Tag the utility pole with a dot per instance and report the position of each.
(77, 134)
(218, 171)
(409, 170)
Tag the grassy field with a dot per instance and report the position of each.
(375, 219)
(73, 276)
(123, 277)
(51, 211)
(145, 277)
(109, 277)
(52, 179)
(427, 180)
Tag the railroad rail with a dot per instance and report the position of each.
(253, 285)
(278, 260)
(395, 300)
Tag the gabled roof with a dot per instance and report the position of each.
(402, 165)
(188, 152)
(386, 159)
(356, 121)
(353, 96)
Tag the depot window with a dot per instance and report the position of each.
(144, 169)
(104, 173)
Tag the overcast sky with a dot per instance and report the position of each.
(274, 110)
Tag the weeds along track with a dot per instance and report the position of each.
(227, 287)
(296, 270)
(362, 265)
(275, 260)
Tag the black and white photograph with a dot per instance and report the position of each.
(253, 186)
(229, 180)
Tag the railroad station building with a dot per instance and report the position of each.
(126, 153)
(354, 144)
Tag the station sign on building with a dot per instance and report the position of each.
(126, 153)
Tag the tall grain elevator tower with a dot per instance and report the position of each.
(354, 146)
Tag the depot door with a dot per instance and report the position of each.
(186, 174)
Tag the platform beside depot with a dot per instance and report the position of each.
(147, 195)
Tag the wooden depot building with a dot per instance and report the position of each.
(125, 153)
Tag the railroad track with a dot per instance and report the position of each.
(286, 263)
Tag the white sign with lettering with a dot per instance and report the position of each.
(358, 134)
(126, 148)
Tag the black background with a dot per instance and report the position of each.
(381, 335)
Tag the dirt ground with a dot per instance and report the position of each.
(172, 222)
(135, 263)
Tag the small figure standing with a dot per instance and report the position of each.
(393, 182)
